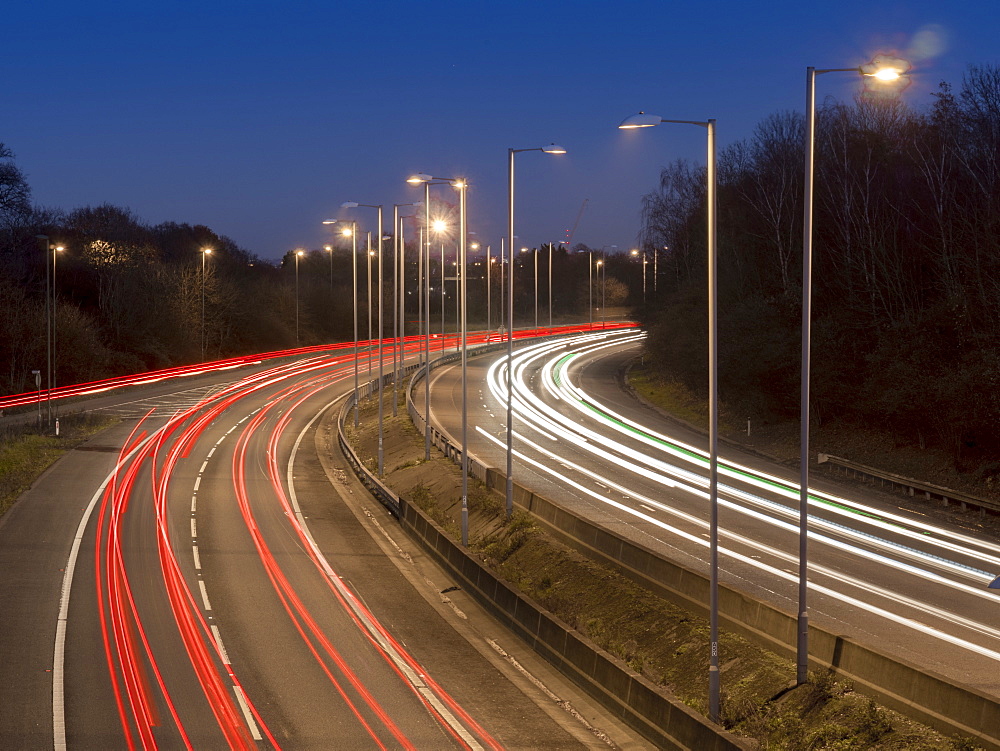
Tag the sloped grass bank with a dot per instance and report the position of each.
(665, 643)
(25, 452)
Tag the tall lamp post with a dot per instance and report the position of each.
(329, 249)
(590, 268)
(378, 207)
(550, 149)
(643, 120)
(600, 280)
(635, 254)
(50, 325)
(352, 232)
(298, 255)
(427, 181)
(462, 186)
(880, 72)
(535, 254)
(397, 297)
(55, 329)
(205, 252)
(551, 249)
(48, 340)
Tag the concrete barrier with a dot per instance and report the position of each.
(636, 701)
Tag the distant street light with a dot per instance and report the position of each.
(298, 255)
(602, 275)
(881, 71)
(439, 225)
(535, 254)
(329, 249)
(352, 232)
(55, 328)
(381, 450)
(48, 341)
(550, 149)
(50, 326)
(643, 120)
(462, 186)
(635, 254)
(204, 252)
(398, 274)
(590, 268)
(551, 250)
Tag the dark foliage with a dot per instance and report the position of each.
(906, 276)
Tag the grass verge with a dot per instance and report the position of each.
(25, 453)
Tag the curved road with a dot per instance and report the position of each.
(228, 588)
(886, 576)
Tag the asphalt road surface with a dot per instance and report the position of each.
(208, 575)
(901, 580)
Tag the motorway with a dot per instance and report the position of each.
(205, 575)
(902, 580)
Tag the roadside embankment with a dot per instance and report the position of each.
(647, 656)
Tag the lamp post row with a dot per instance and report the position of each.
(641, 120)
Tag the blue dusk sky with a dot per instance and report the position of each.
(259, 119)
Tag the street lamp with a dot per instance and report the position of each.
(204, 252)
(601, 277)
(298, 255)
(398, 275)
(378, 207)
(550, 149)
(329, 249)
(642, 120)
(590, 269)
(462, 186)
(50, 327)
(48, 340)
(440, 227)
(880, 70)
(352, 232)
(551, 249)
(427, 181)
(635, 254)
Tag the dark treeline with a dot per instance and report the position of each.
(130, 297)
(906, 275)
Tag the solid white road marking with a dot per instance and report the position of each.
(59, 651)
(247, 715)
(415, 680)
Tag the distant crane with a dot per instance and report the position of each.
(570, 232)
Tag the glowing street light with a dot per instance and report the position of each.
(642, 120)
(462, 186)
(635, 254)
(50, 328)
(438, 226)
(398, 287)
(55, 360)
(205, 252)
(883, 71)
(329, 249)
(378, 207)
(550, 149)
(298, 255)
(352, 232)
